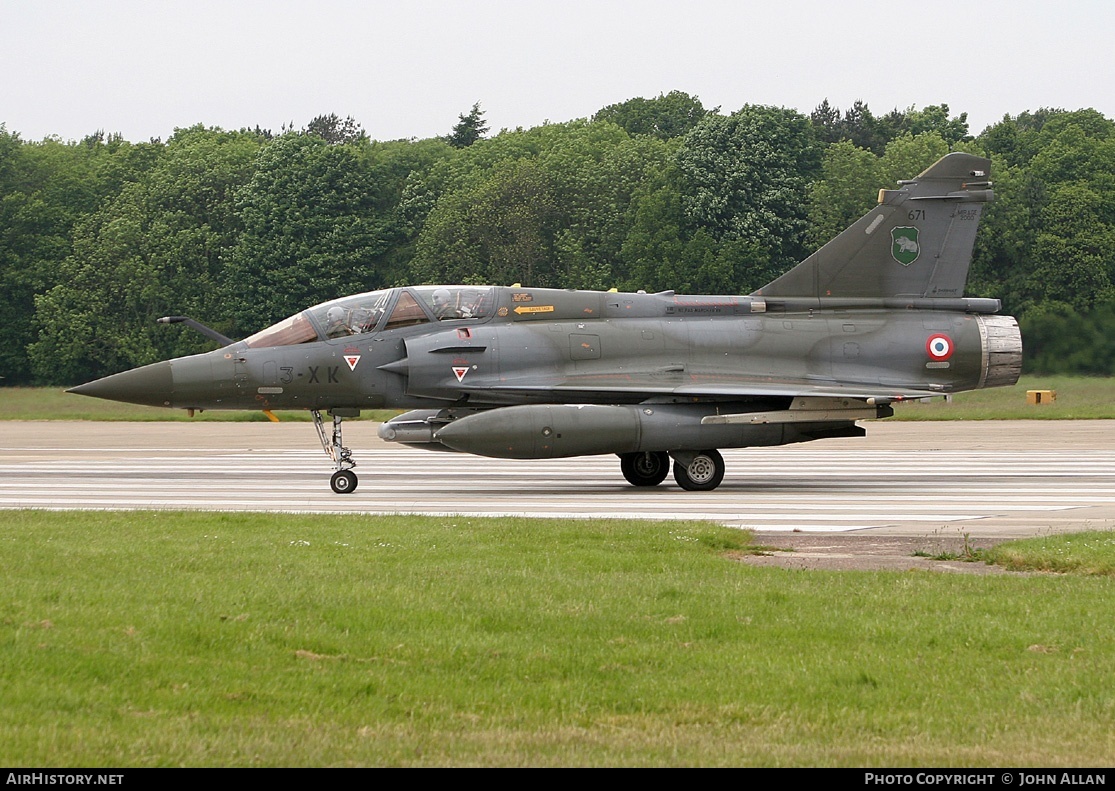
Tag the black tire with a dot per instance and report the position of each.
(703, 474)
(343, 482)
(645, 468)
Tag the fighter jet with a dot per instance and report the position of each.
(661, 380)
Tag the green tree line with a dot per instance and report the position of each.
(238, 229)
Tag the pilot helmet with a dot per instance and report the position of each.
(442, 297)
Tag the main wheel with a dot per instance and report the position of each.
(703, 474)
(343, 481)
(645, 468)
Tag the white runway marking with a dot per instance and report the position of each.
(775, 489)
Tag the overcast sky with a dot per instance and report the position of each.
(409, 68)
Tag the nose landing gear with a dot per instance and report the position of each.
(344, 480)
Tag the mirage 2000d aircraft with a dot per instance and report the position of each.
(875, 316)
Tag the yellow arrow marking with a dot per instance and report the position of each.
(535, 309)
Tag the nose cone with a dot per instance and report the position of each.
(151, 385)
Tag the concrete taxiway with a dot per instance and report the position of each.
(995, 479)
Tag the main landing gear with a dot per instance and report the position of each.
(699, 472)
(645, 468)
(344, 479)
(695, 471)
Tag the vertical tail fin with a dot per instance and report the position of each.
(916, 243)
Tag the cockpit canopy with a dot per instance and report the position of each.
(378, 311)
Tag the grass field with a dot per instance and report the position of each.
(54, 403)
(193, 639)
(1077, 398)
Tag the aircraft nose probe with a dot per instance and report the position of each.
(208, 332)
(150, 385)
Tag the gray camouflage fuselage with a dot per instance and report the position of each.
(874, 317)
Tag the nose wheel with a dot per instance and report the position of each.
(344, 480)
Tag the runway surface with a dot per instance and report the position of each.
(987, 479)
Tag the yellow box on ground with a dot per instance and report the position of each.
(1041, 396)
